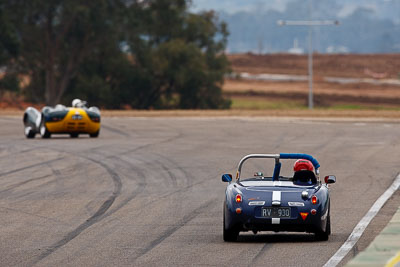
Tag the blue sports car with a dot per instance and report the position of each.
(298, 203)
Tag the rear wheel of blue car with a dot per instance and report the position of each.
(324, 235)
(229, 234)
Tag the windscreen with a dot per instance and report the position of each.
(264, 168)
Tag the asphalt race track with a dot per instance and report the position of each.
(148, 191)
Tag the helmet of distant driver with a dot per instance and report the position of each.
(76, 103)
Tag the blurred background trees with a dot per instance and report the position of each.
(144, 54)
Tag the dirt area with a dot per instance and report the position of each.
(346, 65)
(375, 67)
(12, 102)
(325, 94)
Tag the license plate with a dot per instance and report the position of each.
(275, 212)
(76, 117)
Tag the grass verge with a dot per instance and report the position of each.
(260, 103)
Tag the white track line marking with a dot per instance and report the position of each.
(360, 227)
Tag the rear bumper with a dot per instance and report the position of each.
(283, 226)
(246, 222)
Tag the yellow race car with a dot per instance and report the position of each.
(74, 120)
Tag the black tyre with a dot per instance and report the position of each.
(43, 130)
(29, 133)
(94, 135)
(328, 225)
(324, 235)
(74, 135)
(229, 235)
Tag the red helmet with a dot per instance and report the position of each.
(303, 165)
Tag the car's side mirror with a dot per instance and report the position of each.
(330, 179)
(227, 178)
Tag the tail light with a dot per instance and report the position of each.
(238, 198)
(313, 211)
(314, 199)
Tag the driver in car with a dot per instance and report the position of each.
(304, 173)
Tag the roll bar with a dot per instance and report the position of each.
(277, 157)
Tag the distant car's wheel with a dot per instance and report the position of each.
(94, 135)
(229, 235)
(43, 130)
(324, 235)
(74, 135)
(29, 133)
(328, 225)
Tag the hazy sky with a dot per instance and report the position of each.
(382, 8)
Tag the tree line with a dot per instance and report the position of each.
(361, 31)
(145, 54)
